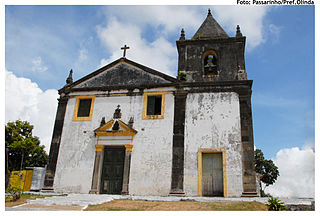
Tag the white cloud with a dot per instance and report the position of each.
(130, 24)
(297, 173)
(275, 32)
(166, 19)
(249, 18)
(83, 54)
(309, 144)
(159, 54)
(37, 65)
(27, 102)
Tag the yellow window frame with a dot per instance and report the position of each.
(145, 104)
(76, 108)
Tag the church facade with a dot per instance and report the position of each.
(129, 129)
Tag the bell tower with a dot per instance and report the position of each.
(211, 55)
(214, 61)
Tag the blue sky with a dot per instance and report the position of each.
(42, 43)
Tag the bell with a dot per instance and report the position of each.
(209, 66)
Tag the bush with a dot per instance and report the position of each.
(275, 204)
(14, 193)
(182, 76)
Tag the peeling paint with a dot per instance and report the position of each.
(208, 126)
(151, 157)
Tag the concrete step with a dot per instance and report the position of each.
(249, 194)
(178, 194)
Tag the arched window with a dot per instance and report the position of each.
(210, 63)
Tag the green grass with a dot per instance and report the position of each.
(139, 205)
(237, 206)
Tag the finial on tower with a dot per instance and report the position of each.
(209, 12)
(130, 123)
(182, 36)
(69, 79)
(103, 121)
(238, 33)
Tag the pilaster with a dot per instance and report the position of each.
(55, 143)
(177, 176)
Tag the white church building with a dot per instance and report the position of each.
(129, 129)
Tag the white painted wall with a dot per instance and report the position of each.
(151, 158)
(213, 121)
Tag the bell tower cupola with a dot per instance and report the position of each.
(211, 55)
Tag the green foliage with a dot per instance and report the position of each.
(275, 204)
(199, 35)
(182, 76)
(22, 145)
(266, 168)
(263, 194)
(14, 194)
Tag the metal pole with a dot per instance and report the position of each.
(21, 161)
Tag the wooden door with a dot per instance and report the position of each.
(212, 174)
(112, 170)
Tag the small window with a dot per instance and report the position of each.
(153, 106)
(83, 108)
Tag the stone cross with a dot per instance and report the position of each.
(124, 50)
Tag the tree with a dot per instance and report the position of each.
(266, 168)
(24, 150)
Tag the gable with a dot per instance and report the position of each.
(106, 129)
(122, 74)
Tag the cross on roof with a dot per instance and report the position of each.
(124, 50)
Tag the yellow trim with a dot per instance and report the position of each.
(117, 94)
(129, 147)
(102, 131)
(76, 107)
(145, 102)
(212, 150)
(106, 126)
(115, 133)
(99, 148)
(112, 139)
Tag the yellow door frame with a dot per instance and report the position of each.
(212, 150)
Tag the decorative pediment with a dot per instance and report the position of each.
(115, 128)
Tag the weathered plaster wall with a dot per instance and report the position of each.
(76, 154)
(213, 121)
(152, 153)
(230, 58)
(150, 172)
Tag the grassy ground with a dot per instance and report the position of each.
(137, 205)
(23, 199)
